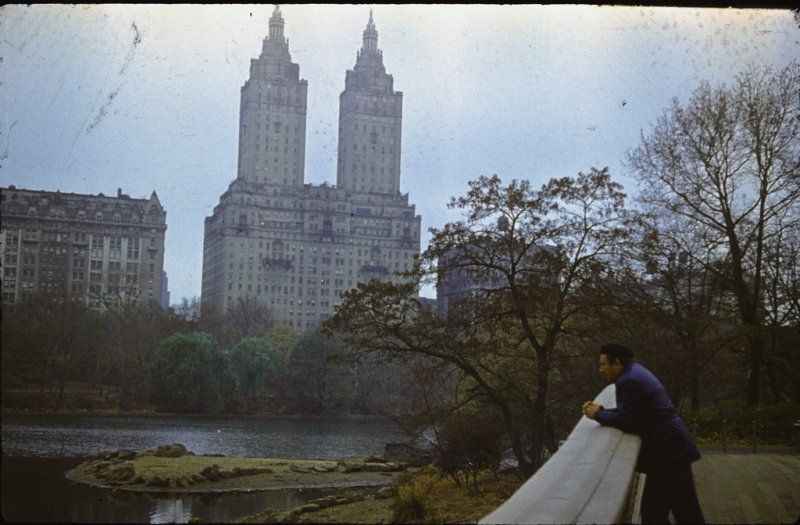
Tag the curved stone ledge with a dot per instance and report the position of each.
(590, 479)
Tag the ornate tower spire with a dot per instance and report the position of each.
(369, 56)
(273, 109)
(370, 124)
(275, 45)
(276, 25)
(370, 37)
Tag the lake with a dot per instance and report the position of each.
(38, 449)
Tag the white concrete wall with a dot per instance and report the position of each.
(588, 480)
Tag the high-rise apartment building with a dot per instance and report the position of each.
(101, 250)
(370, 117)
(296, 247)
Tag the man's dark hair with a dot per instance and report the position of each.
(621, 353)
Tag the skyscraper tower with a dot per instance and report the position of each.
(370, 118)
(274, 242)
(272, 114)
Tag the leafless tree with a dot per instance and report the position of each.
(249, 317)
(729, 160)
(672, 289)
(189, 309)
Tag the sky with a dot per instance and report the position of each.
(146, 97)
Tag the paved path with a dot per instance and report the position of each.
(749, 488)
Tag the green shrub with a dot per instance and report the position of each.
(734, 422)
(189, 373)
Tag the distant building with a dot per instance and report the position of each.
(164, 291)
(428, 303)
(297, 247)
(102, 250)
(457, 279)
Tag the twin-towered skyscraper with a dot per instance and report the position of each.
(296, 247)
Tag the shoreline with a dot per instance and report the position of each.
(152, 413)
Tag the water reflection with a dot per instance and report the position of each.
(38, 450)
(171, 511)
(34, 490)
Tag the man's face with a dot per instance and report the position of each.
(610, 368)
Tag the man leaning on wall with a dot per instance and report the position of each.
(667, 452)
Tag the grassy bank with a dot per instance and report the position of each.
(422, 497)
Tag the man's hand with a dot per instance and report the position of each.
(590, 409)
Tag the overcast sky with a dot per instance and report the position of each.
(143, 98)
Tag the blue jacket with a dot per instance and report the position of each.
(644, 408)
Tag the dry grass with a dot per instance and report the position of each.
(366, 511)
(429, 498)
(440, 502)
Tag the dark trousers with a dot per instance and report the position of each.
(671, 488)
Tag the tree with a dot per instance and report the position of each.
(533, 258)
(249, 317)
(283, 337)
(469, 440)
(728, 160)
(465, 433)
(44, 338)
(189, 309)
(132, 332)
(212, 321)
(319, 375)
(782, 312)
(256, 364)
(387, 388)
(188, 373)
(246, 317)
(672, 288)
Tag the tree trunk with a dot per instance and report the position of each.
(539, 411)
(754, 377)
(694, 377)
(773, 384)
(526, 467)
(748, 305)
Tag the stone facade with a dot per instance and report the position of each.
(370, 118)
(459, 278)
(297, 247)
(102, 250)
(272, 116)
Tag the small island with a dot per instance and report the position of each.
(364, 487)
(172, 468)
(400, 485)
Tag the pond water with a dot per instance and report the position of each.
(38, 449)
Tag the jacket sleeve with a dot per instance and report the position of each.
(629, 414)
